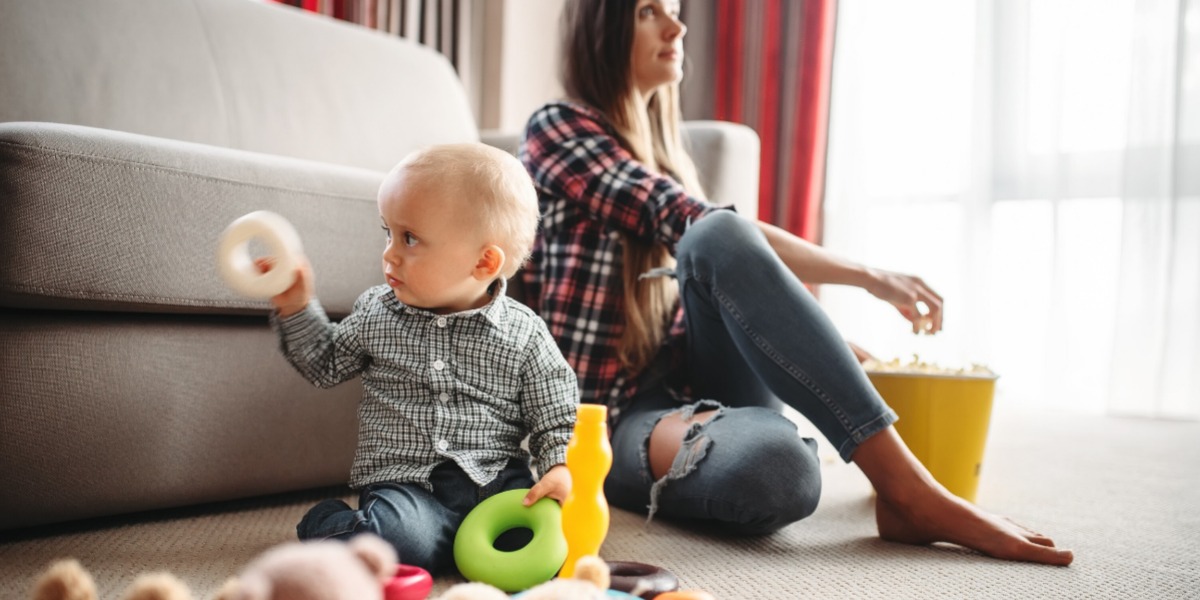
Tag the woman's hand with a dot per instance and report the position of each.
(556, 483)
(915, 300)
(813, 264)
(296, 297)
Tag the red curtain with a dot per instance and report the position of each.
(772, 64)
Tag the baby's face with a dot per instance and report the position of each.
(433, 246)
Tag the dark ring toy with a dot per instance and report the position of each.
(627, 575)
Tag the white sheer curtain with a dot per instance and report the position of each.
(1038, 162)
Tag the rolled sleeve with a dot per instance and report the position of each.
(325, 353)
(549, 400)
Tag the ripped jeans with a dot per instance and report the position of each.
(755, 337)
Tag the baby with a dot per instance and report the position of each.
(455, 373)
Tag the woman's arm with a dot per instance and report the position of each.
(811, 263)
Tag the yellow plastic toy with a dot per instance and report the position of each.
(585, 511)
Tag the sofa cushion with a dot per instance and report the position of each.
(256, 76)
(97, 219)
(108, 413)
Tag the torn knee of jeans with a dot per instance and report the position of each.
(692, 451)
(657, 272)
(689, 411)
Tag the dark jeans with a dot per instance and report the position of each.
(756, 337)
(420, 524)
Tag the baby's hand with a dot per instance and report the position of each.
(295, 298)
(556, 483)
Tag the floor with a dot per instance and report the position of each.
(1122, 493)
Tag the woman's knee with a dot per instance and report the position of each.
(721, 238)
(721, 243)
(776, 472)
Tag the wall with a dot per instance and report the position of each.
(519, 58)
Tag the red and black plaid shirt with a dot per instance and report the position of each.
(591, 190)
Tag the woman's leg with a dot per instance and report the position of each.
(913, 508)
(742, 302)
(736, 483)
(752, 326)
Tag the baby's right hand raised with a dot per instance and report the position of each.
(296, 297)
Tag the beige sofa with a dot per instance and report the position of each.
(131, 134)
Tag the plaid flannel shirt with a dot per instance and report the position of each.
(465, 387)
(591, 190)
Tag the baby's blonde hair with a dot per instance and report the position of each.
(494, 185)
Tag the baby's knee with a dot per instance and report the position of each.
(419, 536)
(413, 546)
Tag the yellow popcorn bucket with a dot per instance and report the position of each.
(944, 420)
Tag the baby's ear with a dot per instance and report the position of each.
(491, 262)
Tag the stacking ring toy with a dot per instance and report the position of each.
(686, 595)
(628, 576)
(238, 269)
(409, 583)
(478, 559)
(607, 594)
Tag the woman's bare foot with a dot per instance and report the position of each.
(913, 508)
(951, 519)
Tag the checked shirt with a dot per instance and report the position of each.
(465, 386)
(590, 191)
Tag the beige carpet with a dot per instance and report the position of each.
(1122, 493)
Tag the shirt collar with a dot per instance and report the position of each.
(492, 312)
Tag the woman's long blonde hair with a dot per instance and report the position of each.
(597, 70)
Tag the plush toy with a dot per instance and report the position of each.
(324, 570)
(328, 570)
(68, 580)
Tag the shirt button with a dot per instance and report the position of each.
(438, 365)
(443, 396)
(441, 321)
(443, 444)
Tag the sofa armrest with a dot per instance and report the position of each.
(727, 161)
(509, 141)
(95, 219)
(726, 156)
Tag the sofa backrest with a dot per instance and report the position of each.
(210, 71)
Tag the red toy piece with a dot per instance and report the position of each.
(409, 583)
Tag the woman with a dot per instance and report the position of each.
(694, 370)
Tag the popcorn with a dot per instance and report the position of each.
(916, 366)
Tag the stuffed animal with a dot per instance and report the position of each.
(323, 570)
(326, 570)
(68, 580)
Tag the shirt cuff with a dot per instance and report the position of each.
(302, 324)
(549, 460)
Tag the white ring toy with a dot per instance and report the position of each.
(238, 269)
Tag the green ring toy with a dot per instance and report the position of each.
(479, 560)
